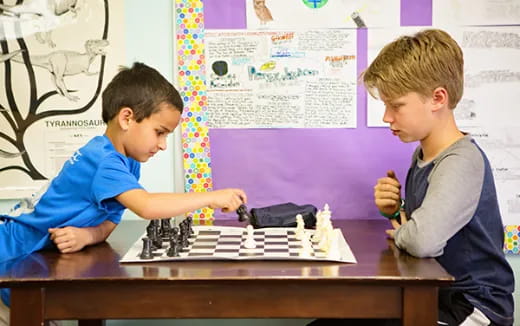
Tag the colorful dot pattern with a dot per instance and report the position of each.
(511, 243)
(189, 20)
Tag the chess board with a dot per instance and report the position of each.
(227, 243)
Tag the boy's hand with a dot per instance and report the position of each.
(396, 224)
(387, 193)
(70, 239)
(228, 199)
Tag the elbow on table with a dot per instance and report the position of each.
(422, 249)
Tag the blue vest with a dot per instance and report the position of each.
(474, 255)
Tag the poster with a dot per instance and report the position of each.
(56, 58)
(281, 79)
(276, 14)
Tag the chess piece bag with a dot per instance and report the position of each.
(283, 215)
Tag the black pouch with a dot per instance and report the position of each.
(283, 215)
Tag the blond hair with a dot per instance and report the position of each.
(419, 63)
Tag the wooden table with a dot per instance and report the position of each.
(92, 285)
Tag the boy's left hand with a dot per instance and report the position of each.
(69, 239)
(396, 224)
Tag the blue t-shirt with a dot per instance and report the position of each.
(82, 195)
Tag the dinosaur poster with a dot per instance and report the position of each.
(56, 56)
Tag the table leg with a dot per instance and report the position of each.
(420, 306)
(27, 307)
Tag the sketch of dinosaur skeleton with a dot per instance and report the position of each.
(40, 16)
(64, 63)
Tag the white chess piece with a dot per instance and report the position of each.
(317, 234)
(306, 249)
(327, 234)
(250, 242)
(334, 252)
(300, 227)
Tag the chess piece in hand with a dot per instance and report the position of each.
(243, 214)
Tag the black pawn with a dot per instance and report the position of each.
(173, 251)
(147, 249)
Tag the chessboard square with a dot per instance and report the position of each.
(229, 243)
(295, 246)
(276, 232)
(275, 242)
(250, 254)
(257, 247)
(230, 254)
(198, 254)
(208, 232)
(301, 255)
(276, 237)
(273, 247)
(203, 246)
(230, 236)
(273, 250)
(250, 250)
(255, 237)
(276, 254)
(228, 246)
(225, 250)
(208, 239)
(206, 251)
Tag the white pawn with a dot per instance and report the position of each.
(300, 227)
(250, 242)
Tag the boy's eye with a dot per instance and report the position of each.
(160, 132)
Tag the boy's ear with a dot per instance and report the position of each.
(124, 117)
(439, 98)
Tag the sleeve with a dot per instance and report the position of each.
(451, 200)
(114, 176)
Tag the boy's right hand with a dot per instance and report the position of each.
(387, 193)
(227, 199)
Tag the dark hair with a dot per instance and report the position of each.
(140, 88)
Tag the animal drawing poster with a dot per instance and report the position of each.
(56, 57)
(281, 79)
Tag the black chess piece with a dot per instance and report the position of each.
(150, 229)
(147, 249)
(243, 214)
(185, 234)
(155, 235)
(190, 226)
(165, 229)
(173, 251)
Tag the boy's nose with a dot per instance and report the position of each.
(387, 116)
(162, 144)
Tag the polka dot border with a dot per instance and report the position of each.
(511, 239)
(189, 22)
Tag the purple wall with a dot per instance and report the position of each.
(309, 166)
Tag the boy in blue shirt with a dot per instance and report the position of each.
(450, 210)
(85, 201)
